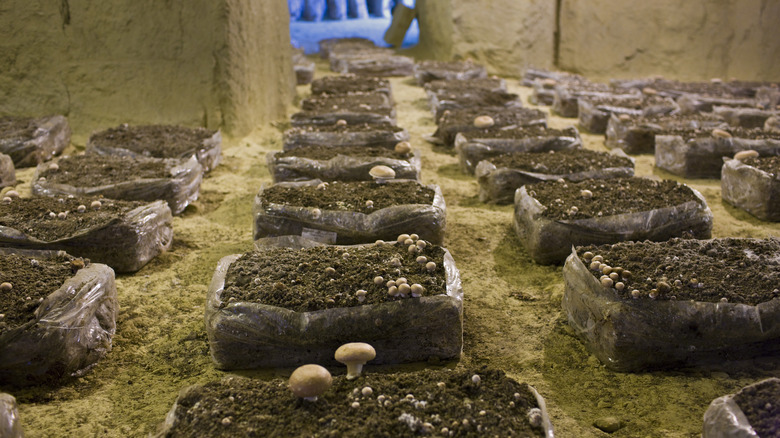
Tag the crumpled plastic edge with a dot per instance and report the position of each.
(52, 136)
(7, 171)
(10, 423)
(724, 419)
(300, 136)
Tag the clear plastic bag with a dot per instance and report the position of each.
(382, 135)
(594, 113)
(744, 117)
(703, 157)
(473, 147)
(691, 103)
(208, 153)
(620, 333)
(51, 136)
(725, 419)
(498, 185)
(181, 187)
(72, 329)
(751, 189)
(126, 243)
(637, 135)
(550, 241)
(339, 168)
(373, 64)
(427, 71)
(246, 335)
(7, 171)
(349, 227)
(10, 424)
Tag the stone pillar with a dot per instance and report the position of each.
(220, 64)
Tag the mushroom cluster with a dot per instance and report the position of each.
(311, 380)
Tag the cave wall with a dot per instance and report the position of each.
(602, 39)
(688, 40)
(222, 64)
(505, 35)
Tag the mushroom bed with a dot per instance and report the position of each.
(633, 297)
(294, 301)
(462, 403)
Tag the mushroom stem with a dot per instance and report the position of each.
(353, 370)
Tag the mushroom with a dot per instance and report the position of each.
(720, 133)
(741, 155)
(381, 173)
(310, 381)
(403, 147)
(354, 355)
(484, 122)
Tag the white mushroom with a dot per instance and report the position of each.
(484, 122)
(354, 355)
(741, 155)
(381, 173)
(403, 147)
(310, 381)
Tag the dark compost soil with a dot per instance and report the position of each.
(159, 141)
(41, 217)
(445, 86)
(462, 120)
(608, 197)
(350, 127)
(359, 102)
(740, 271)
(32, 280)
(516, 132)
(769, 165)
(402, 404)
(327, 277)
(560, 162)
(761, 405)
(94, 170)
(328, 152)
(350, 196)
(736, 132)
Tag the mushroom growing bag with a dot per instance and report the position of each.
(250, 335)
(550, 241)
(50, 136)
(751, 189)
(181, 187)
(633, 335)
(350, 227)
(126, 243)
(72, 329)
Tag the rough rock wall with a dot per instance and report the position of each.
(689, 40)
(505, 35)
(177, 61)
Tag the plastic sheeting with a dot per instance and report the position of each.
(349, 227)
(10, 424)
(427, 71)
(181, 187)
(51, 136)
(72, 329)
(208, 153)
(383, 135)
(702, 157)
(449, 126)
(550, 241)
(634, 335)
(594, 114)
(372, 63)
(126, 243)
(7, 171)
(751, 189)
(691, 103)
(725, 419)
(441, 102)
(475, 147)
(339, 168)
(744, 117)
(245, 335)
(498, 185)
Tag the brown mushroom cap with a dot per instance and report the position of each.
(310, 381)
(403, 147)
(381, 171)
(354, 355)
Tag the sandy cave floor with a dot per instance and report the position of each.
(512, 310)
